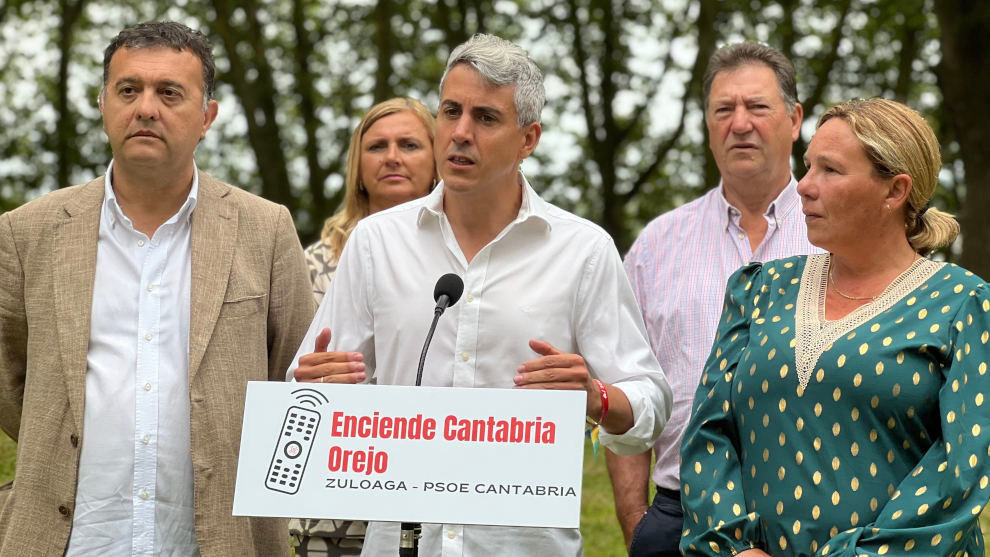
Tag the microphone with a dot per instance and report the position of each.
(447, 291)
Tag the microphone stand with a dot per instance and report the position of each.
(446, 293)
(410, 532)
(437, 312)
(409, 535)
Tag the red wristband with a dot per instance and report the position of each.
(604, 395)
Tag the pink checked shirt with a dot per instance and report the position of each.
(678, 268)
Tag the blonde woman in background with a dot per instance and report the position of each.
(842, 410)
(389, 161)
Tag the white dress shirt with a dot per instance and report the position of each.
(678, 268)
(135, 487)
(548, 275)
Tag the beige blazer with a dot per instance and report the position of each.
(251, 305)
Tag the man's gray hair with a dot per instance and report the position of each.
(733, 56)
(503, 63)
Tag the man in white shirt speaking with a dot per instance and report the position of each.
(134, 309)
(546, 301)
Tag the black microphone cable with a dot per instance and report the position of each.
(447, 291)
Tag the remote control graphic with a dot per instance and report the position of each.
(292, 449)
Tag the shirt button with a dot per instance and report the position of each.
(741, 236)
(150, 288)
(465, 356)
(64, 510)
(147, 386)
(74, 439)
(140, 243)
(144, 494)
(469, 298)
(147, 336)
(451, 534)
(146, 439)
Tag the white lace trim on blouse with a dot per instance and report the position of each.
(814, 334)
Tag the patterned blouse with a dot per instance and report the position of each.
(312, 537)
(865, 435)
(322, 266)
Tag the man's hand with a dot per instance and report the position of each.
(558, 370)
(330, 367)
(555, 370)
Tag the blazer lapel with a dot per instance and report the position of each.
(214, 231)
(77, 231)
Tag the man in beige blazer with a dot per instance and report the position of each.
(246, 308)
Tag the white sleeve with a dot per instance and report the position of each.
(347, 307)
(612, 339)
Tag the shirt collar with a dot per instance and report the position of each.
(184, 214)
(782, 205)
(532, 206)
(788, 200)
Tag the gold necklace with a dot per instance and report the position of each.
(835, 287)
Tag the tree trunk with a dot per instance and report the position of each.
(66, 153)
(909, 53)
(707, 36)
(821, 79)
(320, 207)
(607, 148)
(386, 48)
(257, 96)
(964, 72)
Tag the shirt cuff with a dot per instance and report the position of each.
(650, 411)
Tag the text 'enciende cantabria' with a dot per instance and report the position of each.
(454, 428)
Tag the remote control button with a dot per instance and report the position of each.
(293, 449)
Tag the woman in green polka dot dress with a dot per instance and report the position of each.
(843, 409)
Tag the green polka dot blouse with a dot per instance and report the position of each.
(866, 435)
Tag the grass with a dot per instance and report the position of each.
(602, 537)
(599, 527)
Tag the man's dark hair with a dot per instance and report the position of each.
(166, 34)
(733, 56)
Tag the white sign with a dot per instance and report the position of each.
(509, 457)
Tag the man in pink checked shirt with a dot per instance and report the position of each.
(680, 263)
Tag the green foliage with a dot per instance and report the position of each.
(622, 105)
(8, 458)
(624, 135)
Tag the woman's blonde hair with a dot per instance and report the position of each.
(355, 206)
(898, 140)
